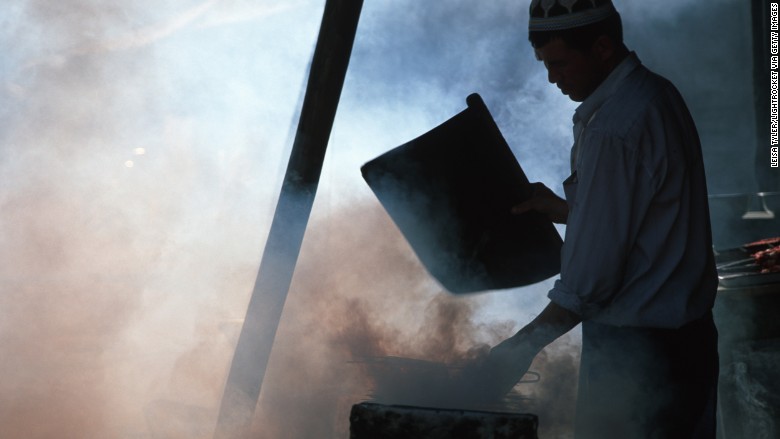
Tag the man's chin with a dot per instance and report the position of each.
(573, 97)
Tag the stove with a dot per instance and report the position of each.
(746, 312)
(378, 421)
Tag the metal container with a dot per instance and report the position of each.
(450, 192)
(415, 382)
(377, 421)
(746, 314)
(747, 303)
(739, 269)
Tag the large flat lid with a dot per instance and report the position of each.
(450, 192)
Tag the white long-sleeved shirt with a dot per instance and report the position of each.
(638, 244)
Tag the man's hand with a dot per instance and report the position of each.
(545, 201)
(491, 376)
(488, 378)
(509, 361)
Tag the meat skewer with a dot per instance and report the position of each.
(762, 244)
(768, 260)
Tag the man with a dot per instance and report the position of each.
(637, 268)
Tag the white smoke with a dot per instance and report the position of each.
(140, 154)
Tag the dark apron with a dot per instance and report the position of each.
(648, 382)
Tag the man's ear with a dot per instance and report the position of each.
(603, 47)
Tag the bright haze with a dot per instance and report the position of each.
(141, 152)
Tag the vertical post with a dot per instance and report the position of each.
(326, 78)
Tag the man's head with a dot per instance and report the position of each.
(579, 41)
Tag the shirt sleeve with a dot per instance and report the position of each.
(606, 197)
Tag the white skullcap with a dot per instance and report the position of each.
(550, 15)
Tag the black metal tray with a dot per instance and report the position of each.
(450, 192)
(748, 279)
(746, 274)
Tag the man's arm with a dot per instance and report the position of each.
(551, 323)
(509, 360)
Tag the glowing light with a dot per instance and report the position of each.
(139, 151)
(129, 164)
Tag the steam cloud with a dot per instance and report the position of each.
(336, 322)
(141, 149)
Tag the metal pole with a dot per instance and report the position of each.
(326, 78)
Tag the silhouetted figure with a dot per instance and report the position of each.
(637, 268)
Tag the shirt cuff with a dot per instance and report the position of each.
(564, 297)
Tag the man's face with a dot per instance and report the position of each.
(575, 72)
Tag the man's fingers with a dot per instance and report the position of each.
(522, 208)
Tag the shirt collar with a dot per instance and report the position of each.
(592, 103)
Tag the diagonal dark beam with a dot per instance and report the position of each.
(326, 78)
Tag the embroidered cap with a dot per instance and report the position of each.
(551, 15)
